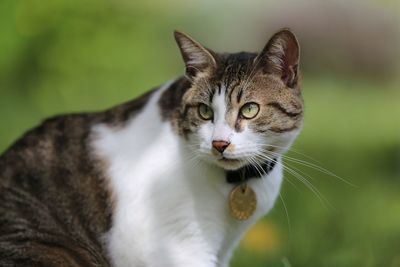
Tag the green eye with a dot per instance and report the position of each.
(249, 110)
(205, 112)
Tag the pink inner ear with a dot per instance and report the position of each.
(290, 63)
(289, 75)
(291, 56)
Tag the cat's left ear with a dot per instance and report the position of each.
(197, 58)
(281, 56)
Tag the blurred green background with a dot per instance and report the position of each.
(71, 56)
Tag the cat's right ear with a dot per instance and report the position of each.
(197, 58)
(281, 56)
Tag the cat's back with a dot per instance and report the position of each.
(52, 202)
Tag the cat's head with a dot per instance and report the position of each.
(242, 108)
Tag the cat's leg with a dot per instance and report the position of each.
(226, 260)
(226, 255)
(173, 250)
(183, 255)
(229, 245)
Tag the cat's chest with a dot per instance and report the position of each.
(155, 173)
(163, 196)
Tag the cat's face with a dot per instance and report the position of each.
(241, 108)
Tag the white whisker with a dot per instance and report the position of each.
(304, 180)
(287, 213)
(310, 165)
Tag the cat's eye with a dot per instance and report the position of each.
(249, 110)
(205, 112)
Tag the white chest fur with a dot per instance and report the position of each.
(170, 210)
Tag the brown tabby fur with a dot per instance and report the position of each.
(54, 204)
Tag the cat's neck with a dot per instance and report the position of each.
(247, 172)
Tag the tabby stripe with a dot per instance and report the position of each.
(239, 95)
(211, 96)
(284, 110)
(233, 87)
(219, 88)
(280, 130)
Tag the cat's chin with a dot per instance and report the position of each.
(230, 164)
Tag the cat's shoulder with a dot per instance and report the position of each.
(76, 125)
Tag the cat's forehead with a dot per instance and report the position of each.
(233, 70)
(239, 80)
(235, 67)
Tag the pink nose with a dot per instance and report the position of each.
(220, 146)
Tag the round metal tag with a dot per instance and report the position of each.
(242, 202)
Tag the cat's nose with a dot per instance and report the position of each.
(220, 146)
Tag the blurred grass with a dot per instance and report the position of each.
(74, 56)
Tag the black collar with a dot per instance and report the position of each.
(249, 171)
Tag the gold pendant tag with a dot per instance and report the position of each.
(242, 202)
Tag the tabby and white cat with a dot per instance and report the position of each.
(173, 178)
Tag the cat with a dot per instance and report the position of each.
(172, 178)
